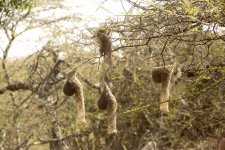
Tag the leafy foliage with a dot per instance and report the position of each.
(7, 6)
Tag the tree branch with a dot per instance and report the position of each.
(15, 86)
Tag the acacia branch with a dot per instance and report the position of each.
(88, 82)
(15, 86)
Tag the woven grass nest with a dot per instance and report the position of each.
(73, 87)
(163, 75)
(108, 102)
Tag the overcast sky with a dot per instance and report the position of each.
(29, 42)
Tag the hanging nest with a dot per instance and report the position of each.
(163, 75)
(74, 87)
(108, 102)
(105, 44)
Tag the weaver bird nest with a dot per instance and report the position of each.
(73, 87)
(163, 75)
(108, 102)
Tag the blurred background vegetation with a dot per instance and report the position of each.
(36, 115)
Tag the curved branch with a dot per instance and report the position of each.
(15, 86)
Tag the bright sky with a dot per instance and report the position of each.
(33, 40)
